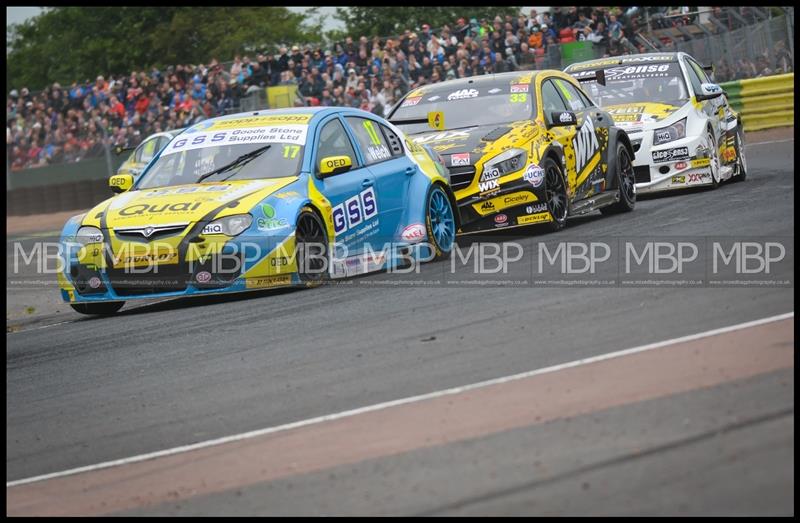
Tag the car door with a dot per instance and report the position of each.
(590, 142)
(383, 155)
(713, 108)
(722, 117)
(352, 194)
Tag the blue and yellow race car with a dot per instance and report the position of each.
(260, 200)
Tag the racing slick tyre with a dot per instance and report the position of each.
(714, 157)
(626, 183)
(311, 241)
(440, 223)
(556, 194)
(98, 309)
(741, 162)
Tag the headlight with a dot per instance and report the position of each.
(87, 235)
(671, 133)
(230, 225)
(504, 163)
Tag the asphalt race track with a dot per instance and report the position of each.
(82, 391)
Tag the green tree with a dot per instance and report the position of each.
(390, 21)
(67, 44)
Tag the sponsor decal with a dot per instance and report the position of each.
(494, 91)
(534, 175)
(203, 277)
(288, 133)
(411, 101)
(94, 282)
(288, 195)
(414, 232)
(519, 88)
(585, 144)
(147, 259)
(539, 207)
(681, 165)
(269, 222)
(680, 153)
(279, 261)
(459, 160)
(488, 185)
(355, 210)
(489, 174)
(565, 118)
(679, 179)
(517, 198)
(487, 207)
(212, 228)
(500, 219)
(534, 218)
(698, 177)
(268, 281)
(463, 93)
(434, 98)
(443, 136)
(164, 208)
(701, 162)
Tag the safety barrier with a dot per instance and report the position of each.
(763, 103)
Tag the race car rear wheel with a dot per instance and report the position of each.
(556, 193)
(98, 309)
(440, 223)
(312, 247)
(741, 162)
(626, 182)
(714, 157)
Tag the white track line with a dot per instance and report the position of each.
(772, 141)
(394, 403)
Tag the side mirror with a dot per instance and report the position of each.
(436, 120)
(120, 149)
(331, 165)
(708, 91)
(120, 182)
(562, 118)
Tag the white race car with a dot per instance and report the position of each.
(683, 131)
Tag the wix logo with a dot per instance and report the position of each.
(585, 144)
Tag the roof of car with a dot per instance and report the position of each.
(485, 80)
(643, 58)
(316, 111)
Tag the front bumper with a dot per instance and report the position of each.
(689, 170)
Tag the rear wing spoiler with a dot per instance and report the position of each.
(599, 76)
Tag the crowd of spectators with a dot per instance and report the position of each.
(63, 124)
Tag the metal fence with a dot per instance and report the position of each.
(742, 53)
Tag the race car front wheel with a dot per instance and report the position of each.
(312, 247)
(98, 309)
(626, 181)
(440, 223)
(741, 163)
(556, 194)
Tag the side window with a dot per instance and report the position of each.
(333, 141)
(551, 100)
(146, 151)
(570, 95)
(370, 139)
(699, 70)
(693, 77)
(395, 145)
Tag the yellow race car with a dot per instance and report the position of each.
(522, 148)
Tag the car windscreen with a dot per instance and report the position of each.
(661, 83)
(250, 148)
(467, 107)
